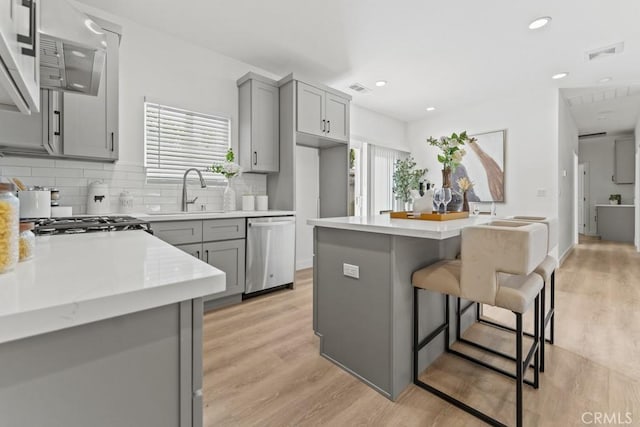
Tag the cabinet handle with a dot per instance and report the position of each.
(198, 254)
(328, 126)
(324, 125)
(112, 142)
(31, 39)
(206, 253)
(57, 133)
(255, 158)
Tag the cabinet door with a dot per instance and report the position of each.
(88, 121)
(265, 141)
(311, 107)
(625, 165)
(228, 256)
(21, 130)
(19, 56)
(194, 250)
(337, 116)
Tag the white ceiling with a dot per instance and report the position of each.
(440, 53)
(604, 109)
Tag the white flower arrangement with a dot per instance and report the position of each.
(229, 169)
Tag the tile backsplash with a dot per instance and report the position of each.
(72, 178)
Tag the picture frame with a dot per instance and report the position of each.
(484, 165)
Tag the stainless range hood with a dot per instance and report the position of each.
(72, 49)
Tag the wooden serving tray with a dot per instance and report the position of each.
(434, 216)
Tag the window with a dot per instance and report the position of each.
(381, 165)
(176, 140)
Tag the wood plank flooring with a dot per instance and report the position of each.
(263, 368)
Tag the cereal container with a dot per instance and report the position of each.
(9, 227)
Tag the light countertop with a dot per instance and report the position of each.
(614, 206)
(383, 224)
(82, 278)
(182, 216)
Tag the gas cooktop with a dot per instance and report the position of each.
(88, 224)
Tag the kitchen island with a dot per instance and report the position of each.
(362, 293)
(103, 329)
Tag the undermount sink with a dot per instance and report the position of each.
(184, 213)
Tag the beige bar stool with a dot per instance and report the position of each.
(496, 268)
(547, 269)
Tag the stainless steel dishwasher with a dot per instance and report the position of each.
(270, 252)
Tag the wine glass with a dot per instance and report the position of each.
(437, 198)
(446, 197)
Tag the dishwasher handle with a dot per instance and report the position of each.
(270, 224)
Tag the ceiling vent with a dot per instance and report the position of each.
(604, 52)
(592, 135)
(360, 88)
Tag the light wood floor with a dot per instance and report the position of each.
(262, 363)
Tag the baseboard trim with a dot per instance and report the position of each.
(566, 254)
(303, 264)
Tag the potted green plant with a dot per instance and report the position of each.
(229, 169)
(615, 199)
(406, 178)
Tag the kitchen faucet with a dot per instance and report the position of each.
(203, 184)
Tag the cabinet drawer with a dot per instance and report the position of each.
(223, 229)
(178, 232)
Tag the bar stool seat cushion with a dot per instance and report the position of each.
(516, 293)
(442, 277)
(547, 267)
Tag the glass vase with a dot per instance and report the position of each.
(229, 198)
(446, 178)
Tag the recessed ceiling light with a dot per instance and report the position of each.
(77, 85)
(78, 54)
(103, 43)
(605, 79)
(381, 83)
(92, 26)
(539, 22)
(559, 76)
(431, 108)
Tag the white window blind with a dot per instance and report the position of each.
(177, 139)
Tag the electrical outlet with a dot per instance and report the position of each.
(541, 192)
(350, 270)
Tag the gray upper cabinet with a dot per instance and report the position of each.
(259, 130)
(322, 113)
(625, 161)
(90, 124)
(311, 106)
(20, 56)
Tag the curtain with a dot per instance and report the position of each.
(381, 165)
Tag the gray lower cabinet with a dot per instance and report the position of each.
(218, 242)
(228, 256)
(142, 369)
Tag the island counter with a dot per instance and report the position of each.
(362, 293)
(104, 329)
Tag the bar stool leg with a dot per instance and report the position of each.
(536, 340)
(553, 307)
(519, 370)
(542, 326)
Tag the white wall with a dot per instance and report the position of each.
(531, 147)
(567, 187)
(599, 154)
(378, 129)
(307, 193)
(637, 189)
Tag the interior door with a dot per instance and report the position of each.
(337, 116)
(311, 107)
(582, 216)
